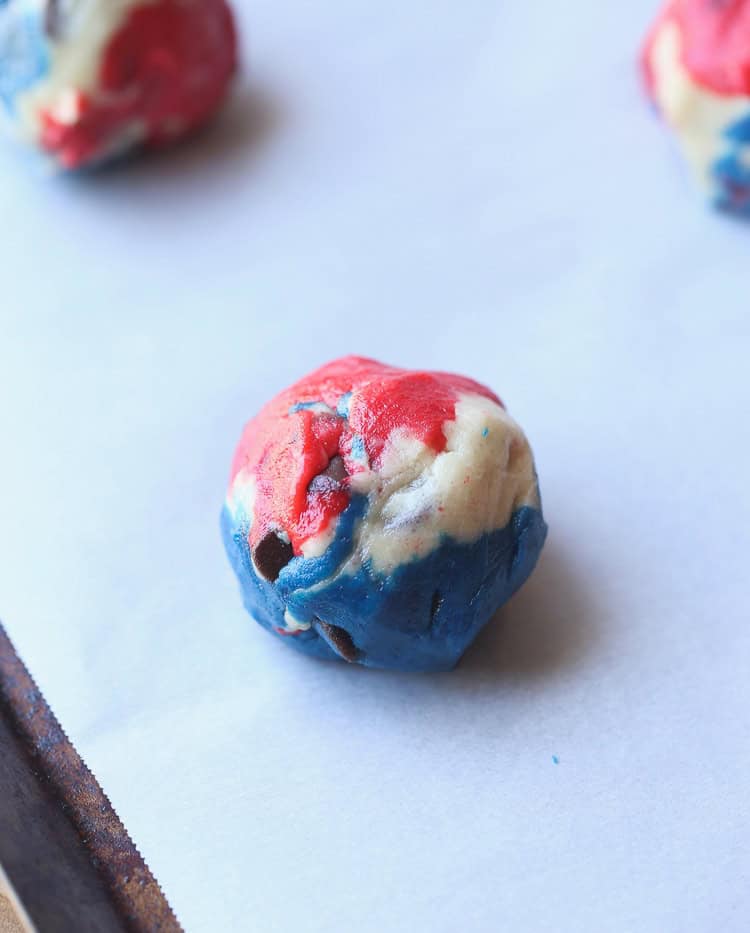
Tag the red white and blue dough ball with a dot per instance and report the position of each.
(382, 516)
(88, 80)
(697, 66)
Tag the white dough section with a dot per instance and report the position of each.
(318, 545)
(241, 495)
(485, 473)
(292, 624)
(75, 59)
(698, 116)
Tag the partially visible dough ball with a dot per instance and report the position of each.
(697, 65)
(87, 80)
(382, 516)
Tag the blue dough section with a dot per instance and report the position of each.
(422, 617)
(23, 50)
(731, 173)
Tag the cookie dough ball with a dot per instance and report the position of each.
(382, 516)
(697, 66)
(87, 80)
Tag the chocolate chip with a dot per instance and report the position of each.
(336, 470)
(339, 639)
(332, 477)
(52, 25)
(271, 555)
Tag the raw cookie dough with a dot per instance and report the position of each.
(382, 516)
(87, 80)
(697, 66)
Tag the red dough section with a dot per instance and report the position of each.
(289, 447)
(166, 69)
(715, 43)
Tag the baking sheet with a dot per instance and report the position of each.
(63, 852)
(476, 187)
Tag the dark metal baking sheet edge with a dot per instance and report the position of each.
(71, 826)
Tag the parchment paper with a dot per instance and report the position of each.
(472, 186)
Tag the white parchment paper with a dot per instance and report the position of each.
(472, 186)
